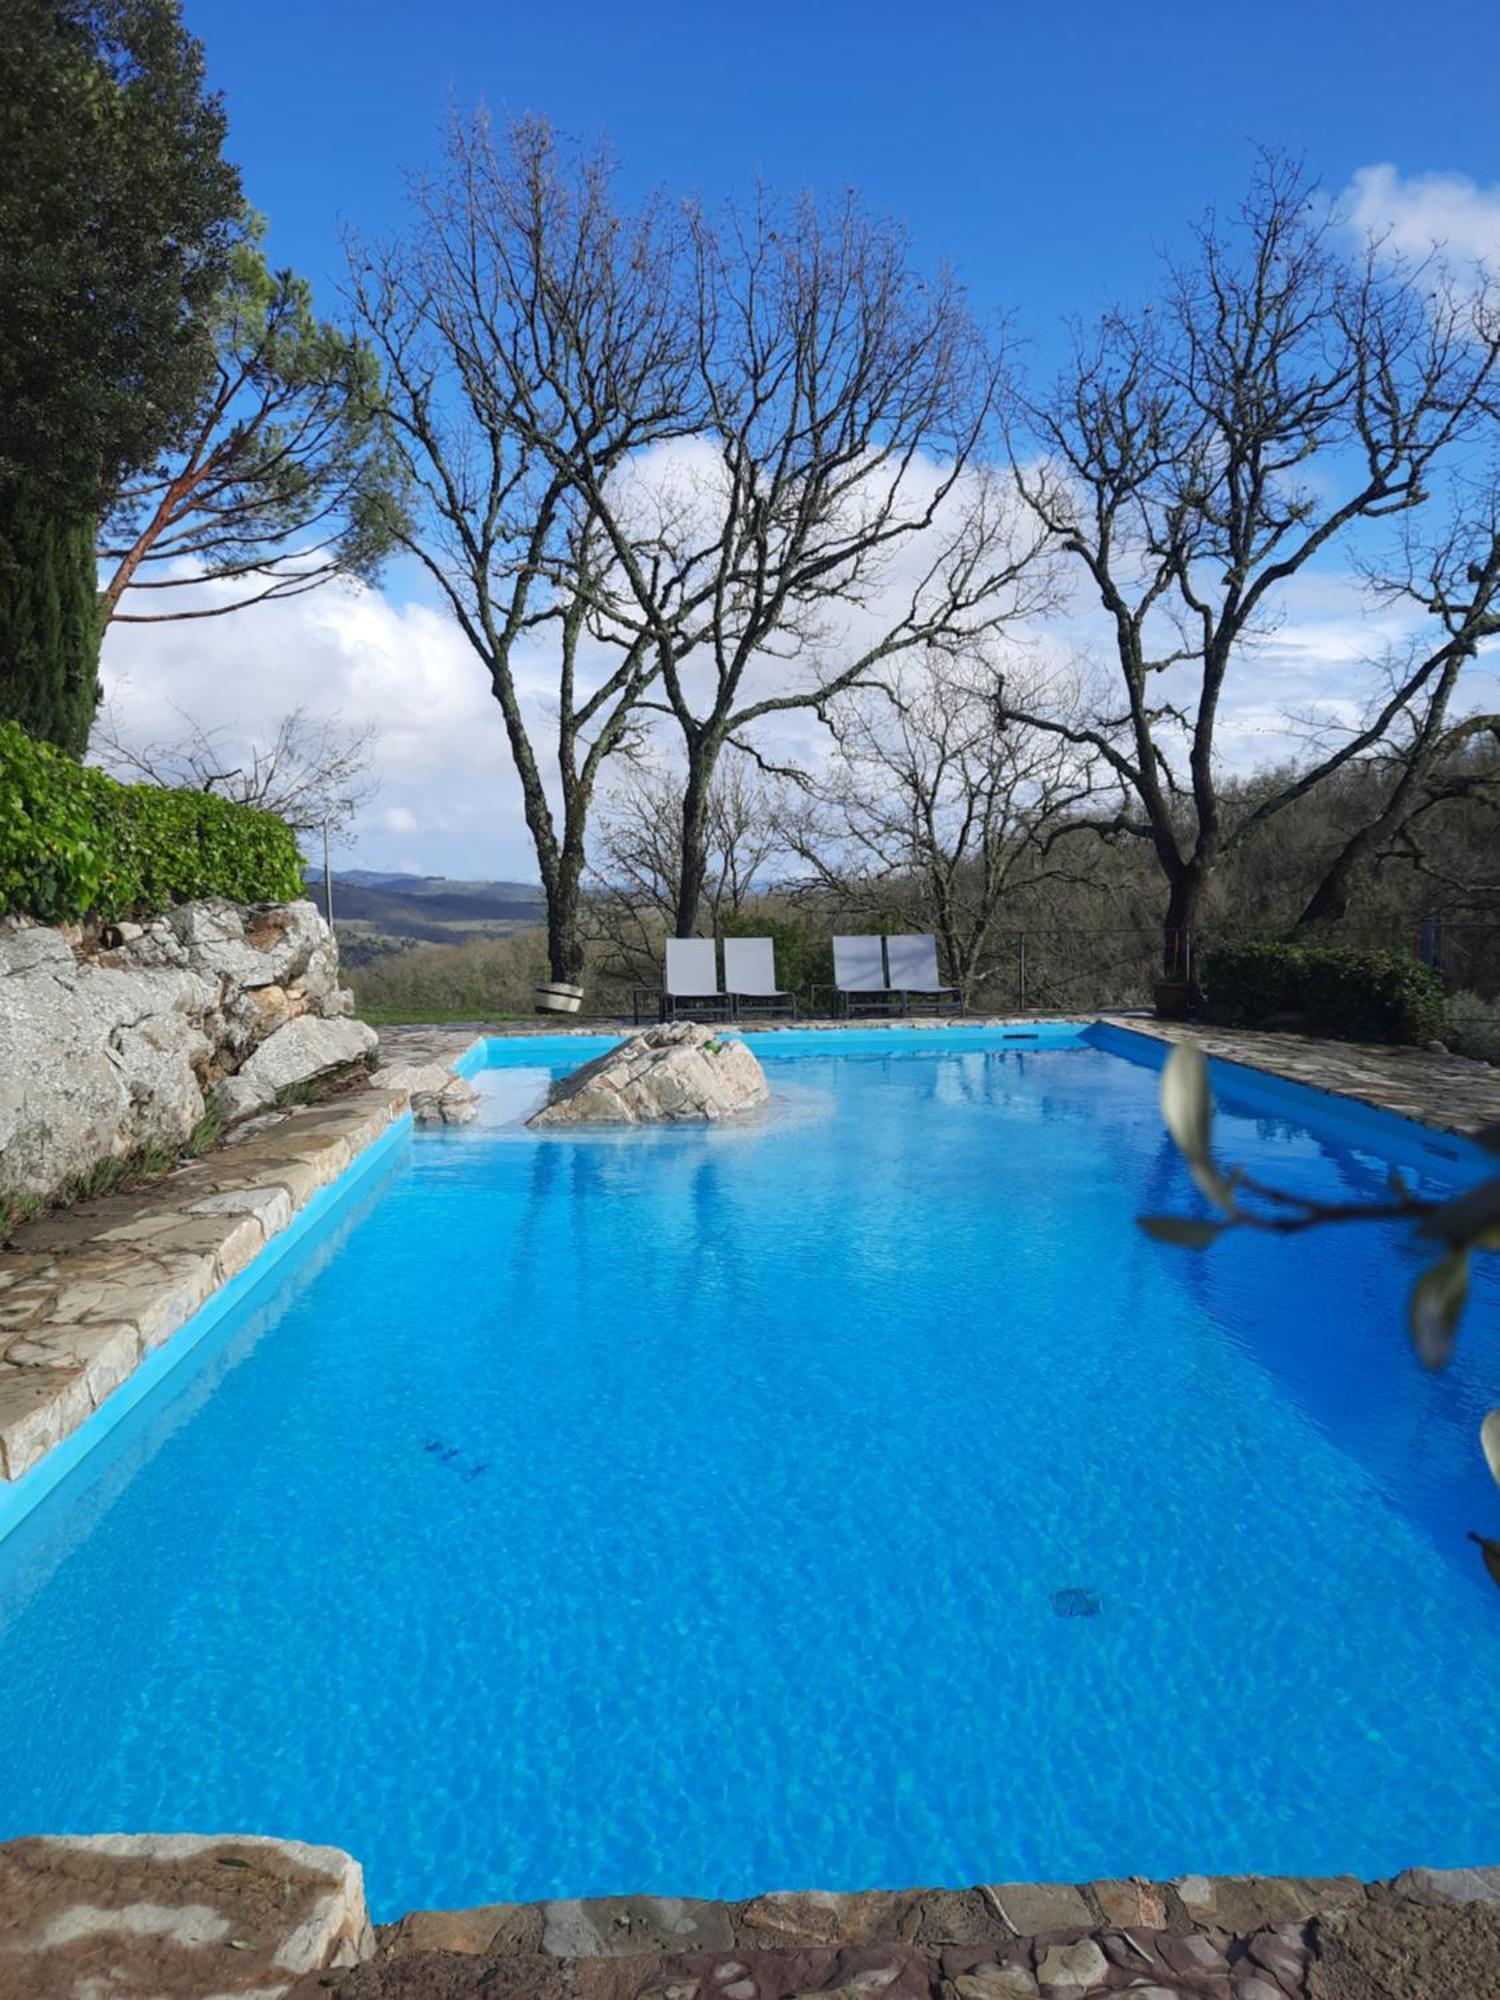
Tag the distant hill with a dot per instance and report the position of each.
(373, 912)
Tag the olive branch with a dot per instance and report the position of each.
(1461, 1227)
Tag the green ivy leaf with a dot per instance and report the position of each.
(1437, 1303)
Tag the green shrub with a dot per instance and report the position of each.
(1358, 996)
(74, 843)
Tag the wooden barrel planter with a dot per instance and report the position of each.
(556, 996)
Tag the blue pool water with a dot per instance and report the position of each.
(695, 1511)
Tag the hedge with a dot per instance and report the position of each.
(1377, 996)
(75, 843)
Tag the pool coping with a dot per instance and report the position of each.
(99, 1301)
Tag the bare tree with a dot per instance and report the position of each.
(1198, 456)
(531, 343)
(832, 512)
(310, 771)
(1423, 760)
(936, 811)
(282, 481)
(637, 865)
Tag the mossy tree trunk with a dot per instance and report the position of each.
(49, 621)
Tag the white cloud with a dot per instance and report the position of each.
(1420, 213)
(449, 802)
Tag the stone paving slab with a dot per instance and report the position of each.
(167, 1916)
(88, 1292)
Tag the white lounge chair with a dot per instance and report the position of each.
(913, 972)
(750, 978)
(690, 984)
(859, 975)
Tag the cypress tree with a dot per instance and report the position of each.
(118, 221)
(49, 620)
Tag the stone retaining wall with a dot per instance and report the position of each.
(121, 1041)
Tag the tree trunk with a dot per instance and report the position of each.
(1179, 946)
(564, 941)
(49, 622)
(1329, 902)
(703, 757)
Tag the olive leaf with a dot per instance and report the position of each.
(1187, 1108)
(1489, 1438)
(1187, 1232)
(1437, 1303)
(1186, 1103)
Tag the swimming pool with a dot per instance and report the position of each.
(852, 1498)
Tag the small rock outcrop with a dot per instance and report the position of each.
(666, 1076)
(438, 1097)
(117, 1042)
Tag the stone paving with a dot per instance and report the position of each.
(186, 1917)
(89, 1292)
(1425, 1936)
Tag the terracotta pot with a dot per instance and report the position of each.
(1174, 999)
(555, 996)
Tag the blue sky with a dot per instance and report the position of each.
(1046, 152)
(1042, 149)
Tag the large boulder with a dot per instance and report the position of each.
(298, 1052)
(666, 1076)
